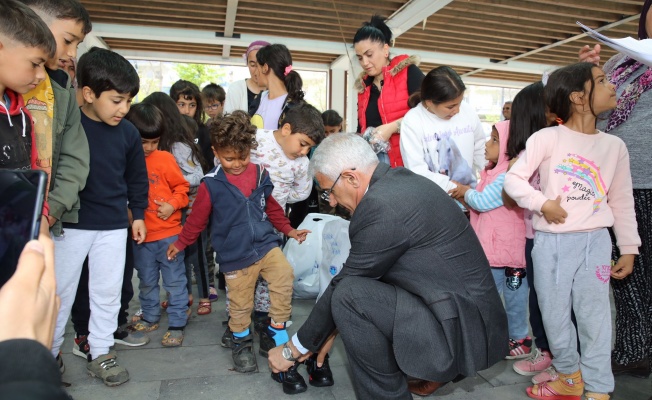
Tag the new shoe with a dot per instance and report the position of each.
(319, 376)
(292, 380)
(244, 359)
(145, 326)
(537, 362)
(267, 342)
(80, 347)
(107, 369)
(127, 335)
(519, 348)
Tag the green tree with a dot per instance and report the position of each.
(200, 74)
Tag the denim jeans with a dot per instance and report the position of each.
(150, 258)
(516, 302)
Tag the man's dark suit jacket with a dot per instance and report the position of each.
(409, 233)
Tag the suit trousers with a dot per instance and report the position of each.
(363, 311)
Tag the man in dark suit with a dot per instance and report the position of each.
(415, 297)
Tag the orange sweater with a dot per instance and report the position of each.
(166, 184)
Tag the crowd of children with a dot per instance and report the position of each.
(172, 187)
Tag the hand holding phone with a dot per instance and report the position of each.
(22, 193)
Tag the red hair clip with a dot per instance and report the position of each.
(559, 121)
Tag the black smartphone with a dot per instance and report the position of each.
(22, 193)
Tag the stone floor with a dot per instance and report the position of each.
(201, 369)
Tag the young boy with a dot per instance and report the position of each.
(25, 45)
(118, 177)
(168, 194)
(60, 140)
(237, 199)
(283, 153)
(213, 97)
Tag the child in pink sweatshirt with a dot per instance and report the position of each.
(586, 187)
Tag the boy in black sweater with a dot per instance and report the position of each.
(117, 178)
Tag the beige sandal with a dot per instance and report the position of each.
(172, 339)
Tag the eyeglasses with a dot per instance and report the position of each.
(214, 106)
(326, 196)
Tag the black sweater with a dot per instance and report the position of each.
(118, 176)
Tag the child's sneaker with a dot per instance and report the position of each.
(244, 359)
(549, 374)
(80, 347)
(127, 335)
(145, 326)
(172, 338)
(267, 343)
(108, 370)
(537, 362)
(519, 348)
(319, 376)
(293, 382)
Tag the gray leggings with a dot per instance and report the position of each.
(572, 272)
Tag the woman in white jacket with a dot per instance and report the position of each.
(442, 138)
(241, 93)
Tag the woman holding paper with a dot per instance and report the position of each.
(632, 122)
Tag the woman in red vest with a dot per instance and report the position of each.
(384, 86)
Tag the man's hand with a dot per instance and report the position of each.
(623, 267)
(28, 301)
(44, 228)
(588, 54)
(325, 349)
(172, 252)
(278, 363)
(139, 231)
(164, 209)
(553, 211)
(300, 236)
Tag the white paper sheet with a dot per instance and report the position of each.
(640, 50)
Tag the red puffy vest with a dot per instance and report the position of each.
(392, 103)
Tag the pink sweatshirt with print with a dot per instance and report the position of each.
(589, 172)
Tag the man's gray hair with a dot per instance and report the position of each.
(342, 151)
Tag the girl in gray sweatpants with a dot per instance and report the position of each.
(586, 187)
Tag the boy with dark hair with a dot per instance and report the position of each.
(168, 194)
(237, 198)
(62, 147)
(213, 97)
(283, 153)
(25, 45)
(118, 177)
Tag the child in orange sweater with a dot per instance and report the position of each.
(168, 194)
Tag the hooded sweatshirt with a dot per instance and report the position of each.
(16, 134)
(501, 231)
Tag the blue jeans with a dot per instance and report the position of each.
(516, 302)
(150, 259)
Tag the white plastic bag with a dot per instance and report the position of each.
(306, 257)
(335, 250)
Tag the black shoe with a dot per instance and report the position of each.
(244, 359)
(292, 381)
(638, 369)
(261, 323)
(227, 338)
(319, 376)
(267, 343)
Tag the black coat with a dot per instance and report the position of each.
(450, 320)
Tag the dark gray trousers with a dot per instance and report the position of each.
(363, 311)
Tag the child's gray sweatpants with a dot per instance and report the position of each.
(572, 271)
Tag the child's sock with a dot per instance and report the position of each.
(278, 333)
(240, 335)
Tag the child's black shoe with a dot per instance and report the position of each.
(244, 359)
(292, 381)
(319, 376)
(267, 342)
